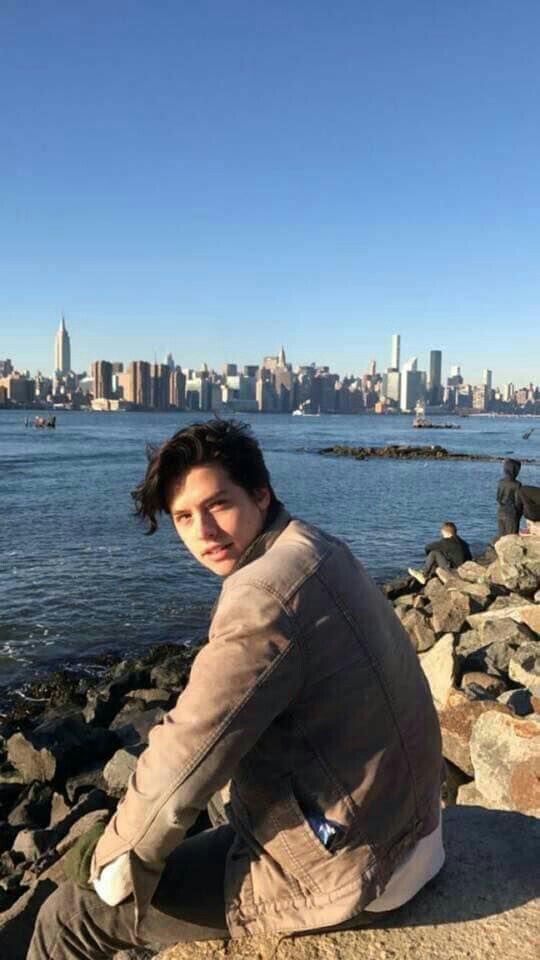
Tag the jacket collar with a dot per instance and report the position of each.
(276, 520)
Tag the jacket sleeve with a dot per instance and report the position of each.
(241, 680)
(436, 545)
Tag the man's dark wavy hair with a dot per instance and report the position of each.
(226, 442)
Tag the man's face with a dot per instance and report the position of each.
(216, 519)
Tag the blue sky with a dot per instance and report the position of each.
(216, 178)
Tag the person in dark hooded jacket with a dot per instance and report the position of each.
(510, 507)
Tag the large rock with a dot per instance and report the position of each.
(119, 769)
(473, 572)
(103, 702)
(530, 616)
(33, 808)
(488, 620)
(482, 904)
(398, 586)
(518, 563)
(17, 923)
(439, 666)
(480, 592)
(519, 701)
(524, 666)
(152, 697)
(451, 611)
(420, 633)
(133, 727)
(482, 685)
(434, 589)
(505, 753)
(457, 719)
(173, 673)
(58, 747)
(32, 844)
(491, 647)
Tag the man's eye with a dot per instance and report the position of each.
(182, 517)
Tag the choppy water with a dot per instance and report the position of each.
(78, 577)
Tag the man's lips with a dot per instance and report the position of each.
(217, 550)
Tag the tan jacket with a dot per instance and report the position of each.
(308, 697)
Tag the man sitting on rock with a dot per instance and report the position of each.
(307, 709)
(449, 553)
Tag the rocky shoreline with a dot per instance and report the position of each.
(396, 451)
(65, 759)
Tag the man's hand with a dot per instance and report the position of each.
(77, 861)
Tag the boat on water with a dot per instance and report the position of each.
(527, 433)
(421, 422)
(304, 410)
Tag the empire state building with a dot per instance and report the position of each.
(62, 350)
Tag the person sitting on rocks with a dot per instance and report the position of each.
(449, 553)
(307, 710)
(510, 507)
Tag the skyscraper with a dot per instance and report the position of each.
(102, 377)
(413, 384)
(487, 379)
(396, 348)
(62, 350)
(434, 384)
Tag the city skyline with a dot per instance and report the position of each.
(190, 177)
(273, 385)
(385, 361)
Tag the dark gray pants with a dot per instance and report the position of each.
(507, 522)
(433, 560)
(74, 924)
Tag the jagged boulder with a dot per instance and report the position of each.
(519, 701)
(173, 673)
(482, 684)
(119, 769)
(58, 747)
(418, 627)
(400, 585)
(518, 564)
(491, 647)
(132, 727)
(450, 612)
(505, 754)
(152, 697)
(457, 719)
(473, 572)
(530, 617)
(104, 702)
(488, 620)
(524, 666)
(439, 666)
(33, 807)
(480, 592)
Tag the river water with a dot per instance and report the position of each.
(78, 577)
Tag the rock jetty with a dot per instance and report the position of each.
(397, 451)
(477, 634)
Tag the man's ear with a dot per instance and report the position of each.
(262, 498)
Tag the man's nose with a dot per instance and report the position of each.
(205, 525)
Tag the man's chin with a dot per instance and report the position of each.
(220, 567)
